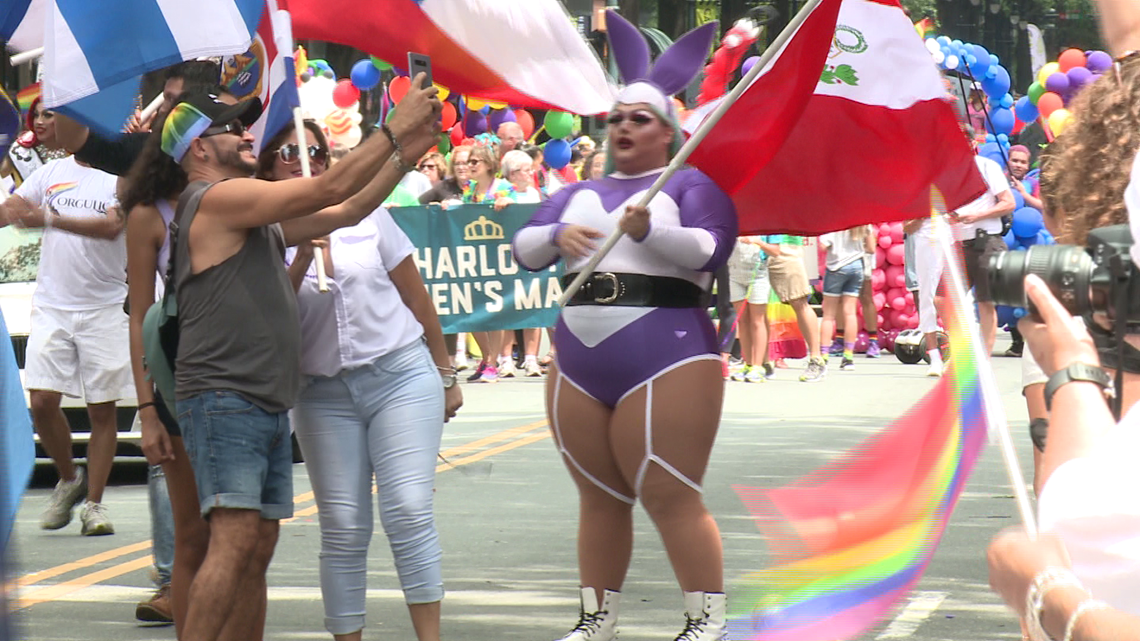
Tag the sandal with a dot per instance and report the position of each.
(545, 361)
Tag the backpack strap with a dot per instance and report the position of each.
(189, 200)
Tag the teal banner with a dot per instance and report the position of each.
(464, 256)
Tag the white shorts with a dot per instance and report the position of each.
(741, 276)
(1031, 373)
(82, 354)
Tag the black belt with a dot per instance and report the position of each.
(636, 290)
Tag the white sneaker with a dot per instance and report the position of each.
(532, 369)
(460, 362)
(596, 622)
(63, 500)
(755, 375)
(507, 368)
(935, 370)
(95, 521)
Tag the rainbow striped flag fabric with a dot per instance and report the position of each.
(850, 540)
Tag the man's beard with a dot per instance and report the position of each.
(234, 160)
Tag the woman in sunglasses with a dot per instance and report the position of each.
(634, 395)
(372, 403)
(449, 191)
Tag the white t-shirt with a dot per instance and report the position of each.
(529, 197)
(362, 317)
(416, 182)
(1092, 505)
(996, 184)
(76, 273)
(842, 248)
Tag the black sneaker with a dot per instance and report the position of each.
(847, 364)
(478, 372)
(1015, 350)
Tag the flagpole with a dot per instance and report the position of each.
(285, 20)
(25, 56)
(991, 398)
(695, 140)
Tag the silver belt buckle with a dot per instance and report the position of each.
(612, 278)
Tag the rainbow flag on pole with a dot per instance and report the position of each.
(854, 537)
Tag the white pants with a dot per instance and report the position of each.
(83, 354)
(929, 264)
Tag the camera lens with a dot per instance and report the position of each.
(1066, 269)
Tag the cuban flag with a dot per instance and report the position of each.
(17, 443)
(266, 71)
(525, 53)
(848, 124)
(22, 24)
(96, 52)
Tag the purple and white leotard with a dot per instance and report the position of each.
(608, 352)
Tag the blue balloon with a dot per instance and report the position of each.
(981, 61)
(997, 86)
(991, 138)
(1003, 139)
(1026, 110)
(1019, 312)
(1011, 240)
(1000, 121)
(557, 153)
(1026, 223)
(943, 40)
(1026, 243)
(1018, 200)
(994, 60)
(1044, 238)
(990, 73)
(1007, 101)
(365, 75)
(957, 43)
(485, 110)
(992, 151)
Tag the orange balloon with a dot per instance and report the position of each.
(1048, 103)
(399, 88)
(1071, 58)
(526, 121)
(449, 116)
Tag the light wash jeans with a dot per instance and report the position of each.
(385, 418)
(161, 524)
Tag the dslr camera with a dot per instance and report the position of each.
(1098, 279)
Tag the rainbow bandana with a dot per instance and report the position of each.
(185, 123)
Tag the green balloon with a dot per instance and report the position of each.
(1036, 90)
(444, 145)
(559, 124)
(388, 118)
(380, 64)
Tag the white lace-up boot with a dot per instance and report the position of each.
(596, 622)
(704, 617)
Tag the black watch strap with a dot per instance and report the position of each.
(1075, 372)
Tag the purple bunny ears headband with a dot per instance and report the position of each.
(674, 70)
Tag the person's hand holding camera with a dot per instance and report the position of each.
(416, 120)
(1058, 339)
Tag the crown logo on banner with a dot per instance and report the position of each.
(483, 229)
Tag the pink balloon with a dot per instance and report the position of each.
(896, 277)
(896, 254)
(878, 278)
(896, 234)
(910, 298)
(899, 303)
(912, 321)
(893, 293)
(898, 319)
(883, 229)
(880, 257)
(882, 322)
(880, 300)
(885, 241)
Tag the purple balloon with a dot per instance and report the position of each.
(499, 116)
(1079, 77)
(1058, 83)
(1099, 62)
(748, 64)
(474, 123)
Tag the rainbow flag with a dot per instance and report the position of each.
(853, 538)
(924, 26)
(26, 96)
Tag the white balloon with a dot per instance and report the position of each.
(350, 138)
(951, 62)
(932, 45)
(939, 57)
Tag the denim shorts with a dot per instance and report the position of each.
(845, 281)
(242, 455)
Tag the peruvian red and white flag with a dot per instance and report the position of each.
(266, 71)
(849, 124)
(525, 53)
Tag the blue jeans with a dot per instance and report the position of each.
(161, 524)
(385, 418)
(242, 455)
(845, 281)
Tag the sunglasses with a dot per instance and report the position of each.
(474, 161)
(425, 167)
(639, 118)
(291, 153)
(236, 127)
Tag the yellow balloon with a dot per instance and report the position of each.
(497, 105)
(1047, 71)
(475, 104)
(1060, 120)
(444, 92)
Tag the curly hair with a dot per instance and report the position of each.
(1085, 170)
(154, 176)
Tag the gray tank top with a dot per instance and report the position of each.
(238, 323)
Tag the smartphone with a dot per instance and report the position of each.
(418, 62)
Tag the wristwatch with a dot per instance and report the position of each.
(1082, 372)
(449, 380)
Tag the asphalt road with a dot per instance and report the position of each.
(507, 515)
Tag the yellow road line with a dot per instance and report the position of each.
(516, 437)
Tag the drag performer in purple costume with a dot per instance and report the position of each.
(634, 396)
